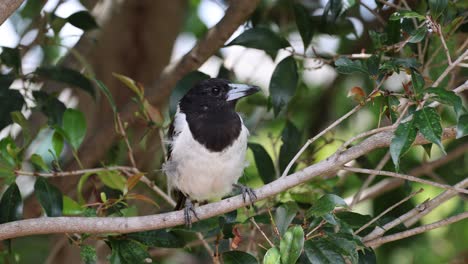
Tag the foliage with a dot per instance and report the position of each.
(310, 223)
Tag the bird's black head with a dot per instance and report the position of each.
(215, 94)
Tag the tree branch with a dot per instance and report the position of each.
(7, 7)
(47, 225)
(415, 231)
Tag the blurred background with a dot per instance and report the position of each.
(141, 38)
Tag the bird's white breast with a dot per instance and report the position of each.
(199, 173)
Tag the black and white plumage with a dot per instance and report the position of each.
(207, 143)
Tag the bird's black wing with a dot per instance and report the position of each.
(177, 193)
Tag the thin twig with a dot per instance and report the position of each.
(416, 213)
(261, 231)
(370, 179)
(388, 210)
(312, 140)
(316, 228)
(405, 177)
(450, 68)
(416, 231)
(377, 15)
(205, 244)
(124, 135)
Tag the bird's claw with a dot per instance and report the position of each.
(247, 191)
(189, 208)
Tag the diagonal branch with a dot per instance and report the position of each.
(165, 220)
(7, 7)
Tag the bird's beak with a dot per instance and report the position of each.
(240, 90)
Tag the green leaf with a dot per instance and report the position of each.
(325, 205)
(304, 24)
(70, 207)
(373, 64)
(406, 14)
(49, 197)
(83, 20)
(264, 163)
(157, 238)
(284, 215)
(403, 138)
(112, 179)
(11, 204)
(292, 244)
(39, 162)
(283, 83)
(182, 87)
(291, 138)
(354, 220)
(238, 257)
(346, 66)
(261, 38)
(12, 101)
(462, 126)
(345, 247)
(427, 120)
(68, 76)
(11, 57)
(418, 81)
(418, 35)
(272, 256)
(447, 97)
(31, 9)
(107, 93)
(50, 106)
(88, 254)
(437, 7)
(74, 126)
(128, 251)
(79, 187)
(320, 251)
(18, 118)
(57, 143)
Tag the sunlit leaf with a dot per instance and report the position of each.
(74, 126)
(112, 179)
(39, 162)
(131, 84)
(283, 83)
(284, 215)
(291, 245)
(406, 14)
(447, 97)
(70, 207)
(57, 143)
(49, 197)
(272, 256)
(18, 118)
(325, 205)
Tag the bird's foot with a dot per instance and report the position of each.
(247, 191)
(189, 208)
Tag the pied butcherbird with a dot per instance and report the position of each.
(207, 144)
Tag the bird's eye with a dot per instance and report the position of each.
(215, 91)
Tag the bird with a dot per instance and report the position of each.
(207, 144)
